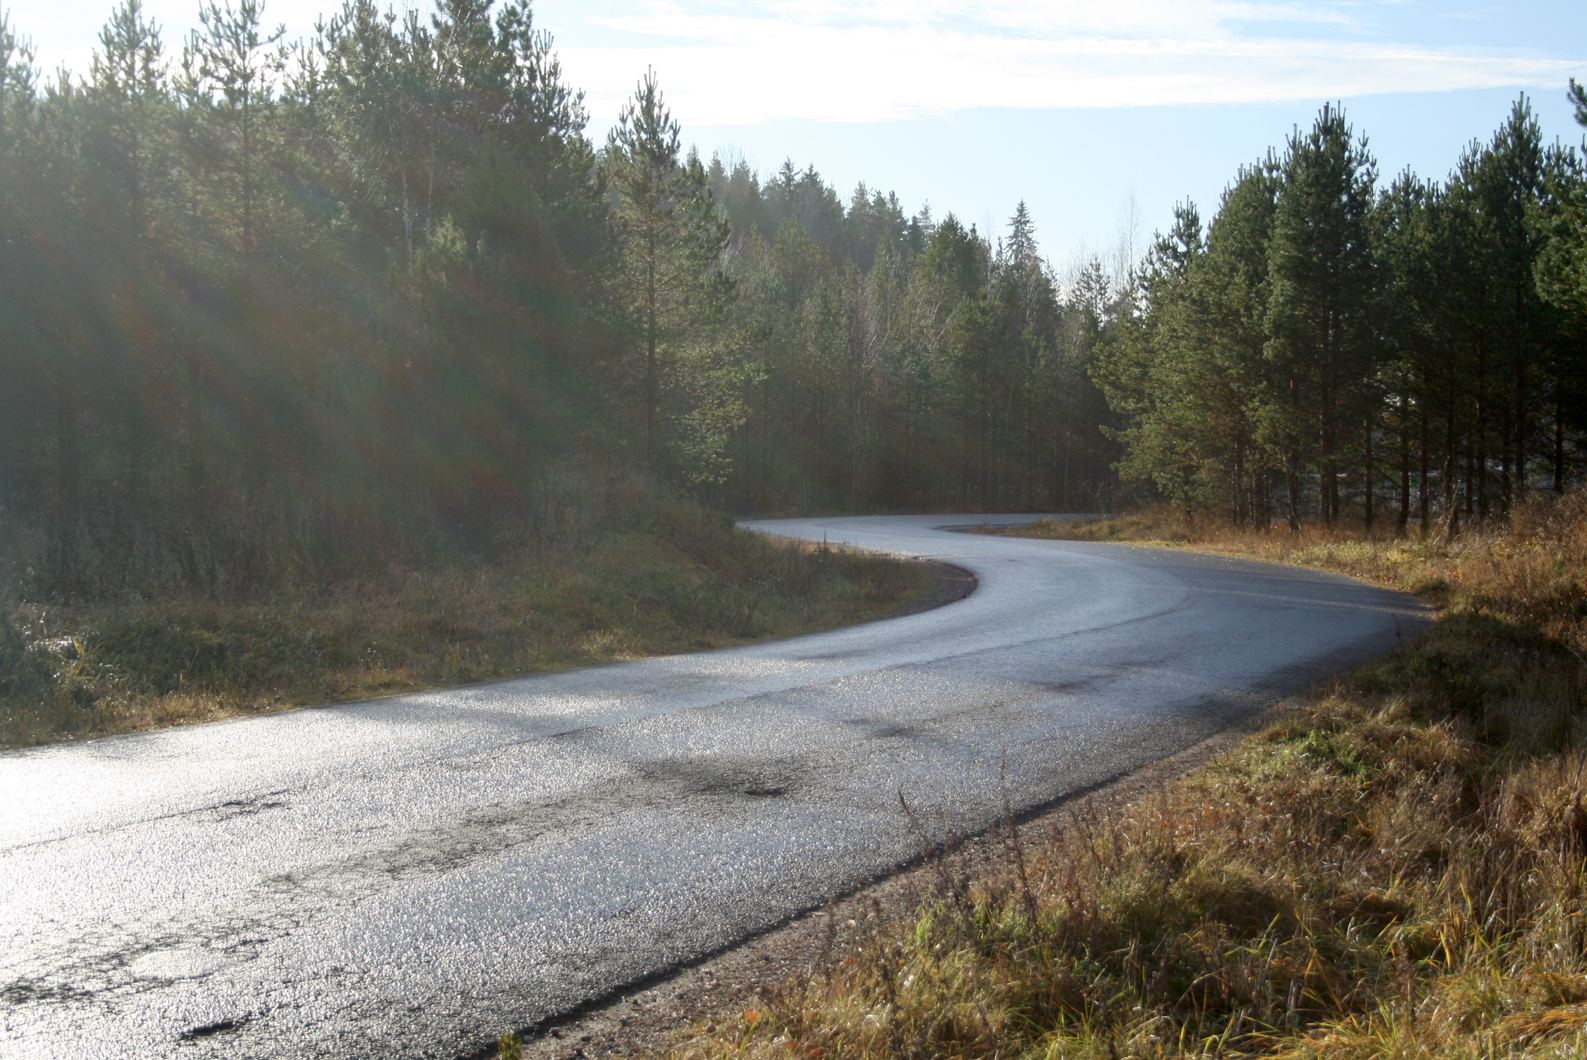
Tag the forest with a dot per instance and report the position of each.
(1331, 348)
(280, 309)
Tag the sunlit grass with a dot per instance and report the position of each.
(1397, 868)
(686, 581)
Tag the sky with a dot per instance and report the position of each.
(1099, 114)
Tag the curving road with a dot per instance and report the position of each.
(410, 876)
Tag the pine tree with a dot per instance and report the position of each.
(128, 99)
(1403, 237)
(1321, 313)
(1504, 184)
(1561, 272)
(229, 70)
(1226, 327)
(18, 96)
(671, 234)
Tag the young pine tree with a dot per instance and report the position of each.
(670, 238)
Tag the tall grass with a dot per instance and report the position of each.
(666, 576)
(1397, 868)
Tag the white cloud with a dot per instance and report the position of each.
(732, 62)
(736, 70)
(1130, 18)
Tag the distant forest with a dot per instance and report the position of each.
(270, 308)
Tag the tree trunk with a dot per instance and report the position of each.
(1329, 500)
(134, 428)
(651, 382)
(1403, 519)
(1294, 492)
(1237, 509)
(407, 221)
(1451, 463)
(1559, 445)
(197, 468)
(1423, 500)
(247, 180)
(1366, 500)
(1475, 500)
(1519, 424)
(68, 465)
(1477, 463)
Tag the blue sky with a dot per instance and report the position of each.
(1101, 115)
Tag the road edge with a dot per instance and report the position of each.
(649, 1014)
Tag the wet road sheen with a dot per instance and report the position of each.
(411, 876)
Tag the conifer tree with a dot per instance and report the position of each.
(1403, 237)
(1504, 186)
(128, 99)
(1321, 311)
(671, 234)
(230, 66)
(18, 95)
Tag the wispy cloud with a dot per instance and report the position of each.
(1128, 18)
(736, 62)
(876, 60)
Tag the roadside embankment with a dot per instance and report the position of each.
(672, 578)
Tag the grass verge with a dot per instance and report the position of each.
(1397, 868)
(677, 579)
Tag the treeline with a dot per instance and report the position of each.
(278, 311)
(275, 310)
(1330, 348)
(900, 363)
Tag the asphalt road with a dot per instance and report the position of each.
(411, 876)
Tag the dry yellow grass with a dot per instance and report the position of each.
(1398, 868)
(689, 581)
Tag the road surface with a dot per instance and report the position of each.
(411, 876)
